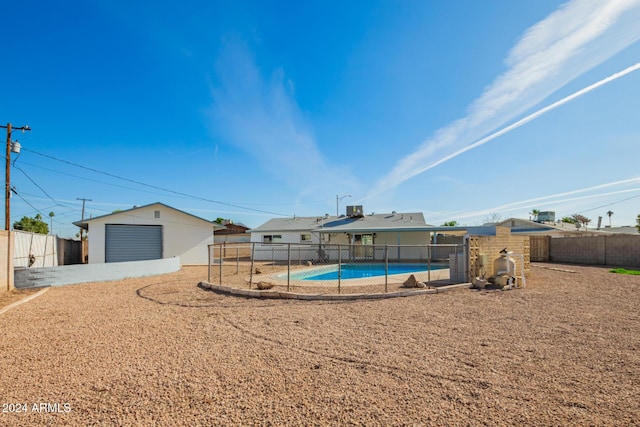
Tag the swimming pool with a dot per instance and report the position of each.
(360, 271)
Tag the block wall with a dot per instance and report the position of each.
(615, 250)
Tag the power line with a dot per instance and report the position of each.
(611, 204)
(154, 186)
(36, 184)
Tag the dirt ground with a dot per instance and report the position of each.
(565, 350)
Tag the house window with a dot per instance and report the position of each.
(272, 238)
(363, 239)
(305, 237)
(156, 214)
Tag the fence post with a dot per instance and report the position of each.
(220, 266)
(457, 269)
(288, 266)
(209, 263)
(386, 267)
(429, 264)
(339, 265)
(30, 250)
(44, 255)
(253, 250)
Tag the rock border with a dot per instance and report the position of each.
(271, 294)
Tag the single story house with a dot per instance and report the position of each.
(154, 231)
(368, 234)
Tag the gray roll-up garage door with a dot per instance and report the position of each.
(132, 242)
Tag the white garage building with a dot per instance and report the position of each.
(154, 231)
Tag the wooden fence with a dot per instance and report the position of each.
(539, 247)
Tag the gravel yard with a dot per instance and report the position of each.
(161, 351)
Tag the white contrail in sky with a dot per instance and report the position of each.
(530, 117)
(553, 197)
(572, 40)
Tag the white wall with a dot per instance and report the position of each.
(83, 273)
(183, 235)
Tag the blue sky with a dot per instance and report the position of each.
(253, 109)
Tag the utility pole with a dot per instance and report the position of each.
(83, 202)
(338, 202)
(7, 194)
(7, 199)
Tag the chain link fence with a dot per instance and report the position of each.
(335, 269)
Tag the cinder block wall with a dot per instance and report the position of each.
(492, 245)
(622, 250)
(615, 250)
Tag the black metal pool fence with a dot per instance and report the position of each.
(331, 268)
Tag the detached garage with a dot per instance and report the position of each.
(126, 242)
(149, 232)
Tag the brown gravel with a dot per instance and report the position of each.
(161, 351)
(14, 295)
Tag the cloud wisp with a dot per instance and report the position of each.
(572, 40)
(260, 116)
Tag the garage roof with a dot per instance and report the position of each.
(85, 224)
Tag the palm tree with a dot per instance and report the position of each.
(51, 215)
(534, 213)
(609, 213)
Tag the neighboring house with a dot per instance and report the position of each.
(149, 232)
(559, 229)
(233, 233)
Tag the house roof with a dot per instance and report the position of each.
(524, 226)
(413, 221)
(85, 224)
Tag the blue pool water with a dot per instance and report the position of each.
(359, 271)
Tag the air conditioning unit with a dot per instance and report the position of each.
(355, 211)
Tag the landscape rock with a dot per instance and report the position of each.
(264, 285)
(411, 282)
